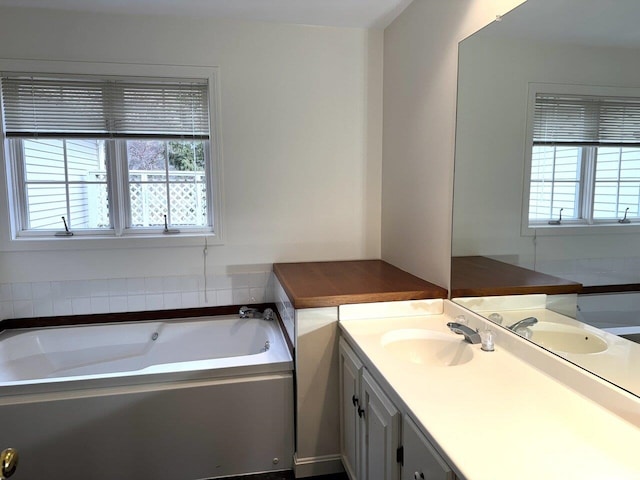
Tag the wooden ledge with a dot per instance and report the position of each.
(482, 276)
(329, 284)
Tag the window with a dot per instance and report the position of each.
(585, 160)
(114, 156)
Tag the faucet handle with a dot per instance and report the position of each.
(487, 340)
(462, 320)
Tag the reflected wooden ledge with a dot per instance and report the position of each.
(478, 276)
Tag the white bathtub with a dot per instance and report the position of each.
(124, 400)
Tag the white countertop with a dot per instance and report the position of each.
(497, 417)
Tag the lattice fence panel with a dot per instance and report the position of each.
(188, 204)
(148, 201)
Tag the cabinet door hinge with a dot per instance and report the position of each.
(400, 455)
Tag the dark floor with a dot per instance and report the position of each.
(288, 475)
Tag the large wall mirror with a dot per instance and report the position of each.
(575, 61)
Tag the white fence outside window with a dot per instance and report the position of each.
(186, 203)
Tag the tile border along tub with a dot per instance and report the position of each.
(117, 295)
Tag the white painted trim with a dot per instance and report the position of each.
(9, 240)
(571, 227)
(313, 466)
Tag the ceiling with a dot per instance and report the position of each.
(337, 13)
(584, 22)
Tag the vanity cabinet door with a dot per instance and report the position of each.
(381, 433)
(421, 461)
(350, 367)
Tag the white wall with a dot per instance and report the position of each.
(492, 113)
(301, 132)
(420, 72)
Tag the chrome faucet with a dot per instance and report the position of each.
(246, 312)
(470, 335)
(524, 323)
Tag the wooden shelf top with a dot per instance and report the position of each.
(329, 284)
(482, 276)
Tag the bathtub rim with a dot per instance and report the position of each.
(281, 364)
(11, 393)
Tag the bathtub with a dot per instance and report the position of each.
(190, 399)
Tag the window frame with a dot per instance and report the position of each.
(569, 226)
(11, 239)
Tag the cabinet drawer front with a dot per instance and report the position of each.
(421, 460)
(381, 432)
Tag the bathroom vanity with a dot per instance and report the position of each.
(412, 400)
(417, 401)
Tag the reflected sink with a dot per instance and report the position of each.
(566, 338)
(426, 347)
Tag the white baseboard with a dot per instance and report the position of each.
(313, 466)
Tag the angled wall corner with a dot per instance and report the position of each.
(419, 104)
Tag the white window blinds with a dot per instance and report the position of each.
(586, 120)
(97, 107)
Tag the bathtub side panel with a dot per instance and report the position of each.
(218, 428)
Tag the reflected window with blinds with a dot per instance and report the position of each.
(108, 155)
(585, 160)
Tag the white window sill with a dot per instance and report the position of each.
(578, 229)
(79, 242)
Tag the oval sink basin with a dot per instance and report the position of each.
(566, 338)
(426, 347)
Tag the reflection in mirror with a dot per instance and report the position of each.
(574, 62)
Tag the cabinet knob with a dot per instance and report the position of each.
(8, 462)
(354, 400)
(360, 412)
(418, 476)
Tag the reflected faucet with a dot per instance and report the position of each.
(246, 312)
(470, 335)
(524, 323)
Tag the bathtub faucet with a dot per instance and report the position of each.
(525, 322)
(246, 312)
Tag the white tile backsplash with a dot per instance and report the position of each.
(153, 285)
(258, 279)
(41, 290)
(23, 308)
(192, 299)
(6, 310)
(172, 300)
(81, 297)
(222, 282)
(224, 297)
(99, 288)
(241, 295)
(118, 286)
(135, 286)
(256, 295)
(135, 303)
(21, 291)
(118, 304)
(208, 300)
(42, 307)
(154, 302)
(594, 271)
(81, 306)
(99, 304)
(171, 284)
(62, 306)
(5, 292)
(189, 284)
